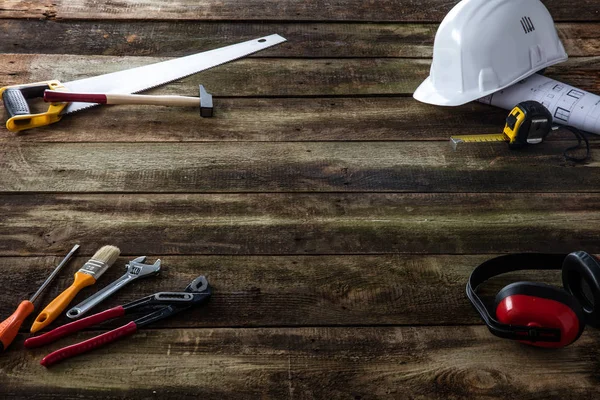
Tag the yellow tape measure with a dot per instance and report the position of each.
(528, 123)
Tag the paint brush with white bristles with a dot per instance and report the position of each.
(86, 276)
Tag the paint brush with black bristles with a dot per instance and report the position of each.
(86, 276)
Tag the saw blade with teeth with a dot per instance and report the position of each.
(138, 79)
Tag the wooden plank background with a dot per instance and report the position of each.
(323, 203)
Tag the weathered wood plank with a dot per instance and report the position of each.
(577, 39)
(263, 291)
(246, 77)
(278, 120)
(275, 119)
(26, 9)
(308, 40)
(174, 39)
(272, 77)
(300, 223)
(310, 363)
(265, 10)
(290, 167)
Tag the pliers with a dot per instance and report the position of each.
(164, 303)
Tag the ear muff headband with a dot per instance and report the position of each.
(510, 263)
(581, 278)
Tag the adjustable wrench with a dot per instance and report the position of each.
(135, 269)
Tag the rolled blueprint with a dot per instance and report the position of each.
(568, 105)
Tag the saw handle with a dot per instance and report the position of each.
(15, 102)
(15, 99)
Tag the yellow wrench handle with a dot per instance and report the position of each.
(57, 306)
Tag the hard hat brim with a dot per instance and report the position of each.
(427, 93)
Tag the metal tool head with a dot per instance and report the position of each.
(196, 293)
(454, 142)
(206, 103)
(138, 269)
(200, 284)
(54, 273)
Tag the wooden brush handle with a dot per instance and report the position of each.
(53, 310)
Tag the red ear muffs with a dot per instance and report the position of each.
(581, 278)
(541, 306)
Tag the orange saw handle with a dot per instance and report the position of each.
(57, 306)
(10, 326)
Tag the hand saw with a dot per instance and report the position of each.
(129, 81)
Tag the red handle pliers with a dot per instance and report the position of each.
(168, 303)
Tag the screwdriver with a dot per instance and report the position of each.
(10, 326)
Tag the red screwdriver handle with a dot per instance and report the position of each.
(10, 326)
(76, 326)
(87, 345)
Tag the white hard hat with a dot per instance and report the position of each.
(483, 46)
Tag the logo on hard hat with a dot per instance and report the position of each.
(527, 24)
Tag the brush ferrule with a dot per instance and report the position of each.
(94, 268)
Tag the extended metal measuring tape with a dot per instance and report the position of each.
(529, 123)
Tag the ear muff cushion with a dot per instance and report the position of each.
(538, 304)
(581, 278)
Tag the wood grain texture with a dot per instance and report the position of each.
(310, 363)
(259, 291)
(291, 167)
(279, 10)
(246, 77)
(345, 119)
(179, 38)
(329, 282)
(305, 40)
(275, 120)
(272, 77)
(293, 223)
